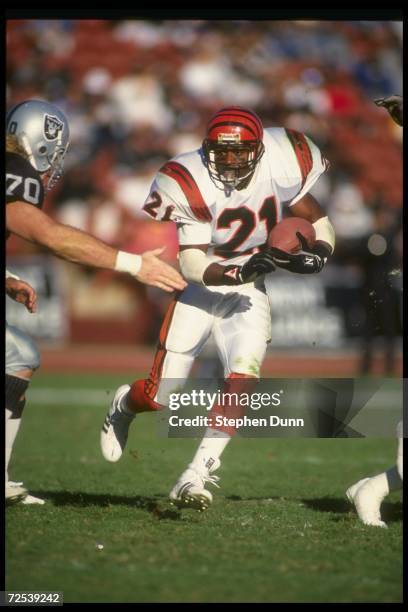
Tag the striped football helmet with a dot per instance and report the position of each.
(233, 147)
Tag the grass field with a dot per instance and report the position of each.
(280, 529)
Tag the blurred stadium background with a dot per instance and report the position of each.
(138, 92)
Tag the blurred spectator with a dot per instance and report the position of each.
(350, 217)
(132, 188)
(381, 263)
(138, 101)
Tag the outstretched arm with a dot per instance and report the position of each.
(77, 246)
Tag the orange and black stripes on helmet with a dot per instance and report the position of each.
(232, 117)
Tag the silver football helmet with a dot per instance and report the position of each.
(42, 129)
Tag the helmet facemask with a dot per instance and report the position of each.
(231, 165)
(48, 160)
(233, 147)
(54, 173)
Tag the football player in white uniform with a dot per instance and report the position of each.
(36, 143)
(224, 198)
(368, 494)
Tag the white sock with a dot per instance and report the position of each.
(12, 427)
(210, 449)
(400, 461)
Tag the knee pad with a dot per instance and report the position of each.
(15, 389)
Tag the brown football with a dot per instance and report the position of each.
(283, 235)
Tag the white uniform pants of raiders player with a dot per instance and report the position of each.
(240, 320)
(21, 352)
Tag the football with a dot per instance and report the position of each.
(283, 235)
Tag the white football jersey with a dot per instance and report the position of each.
(234, 224)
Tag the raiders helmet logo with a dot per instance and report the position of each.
(52, 127)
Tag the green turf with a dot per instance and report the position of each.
(279, 530)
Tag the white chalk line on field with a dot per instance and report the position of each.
(73, 397)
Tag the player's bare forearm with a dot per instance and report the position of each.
(257, 265)
(79, 247)
(214, 275)
(64, 241)
(197, 268)
(308, 208)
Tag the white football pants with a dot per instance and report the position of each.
(240, 320)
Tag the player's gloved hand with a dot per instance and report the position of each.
(258, 264)
(393, 104)
(309, 262)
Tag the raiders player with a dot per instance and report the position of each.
(224, 198)
(37, 139)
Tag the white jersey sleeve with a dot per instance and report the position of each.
(194, 233)
(297, 163)
(175, 196)
(311, 165)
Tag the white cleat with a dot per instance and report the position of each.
(15, 492)
(351, 491)
(115, 428)
(190, 492)
(30, 499)
(367, 502)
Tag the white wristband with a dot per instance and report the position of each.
(128, 262)
(10, 275)
(325, 231)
